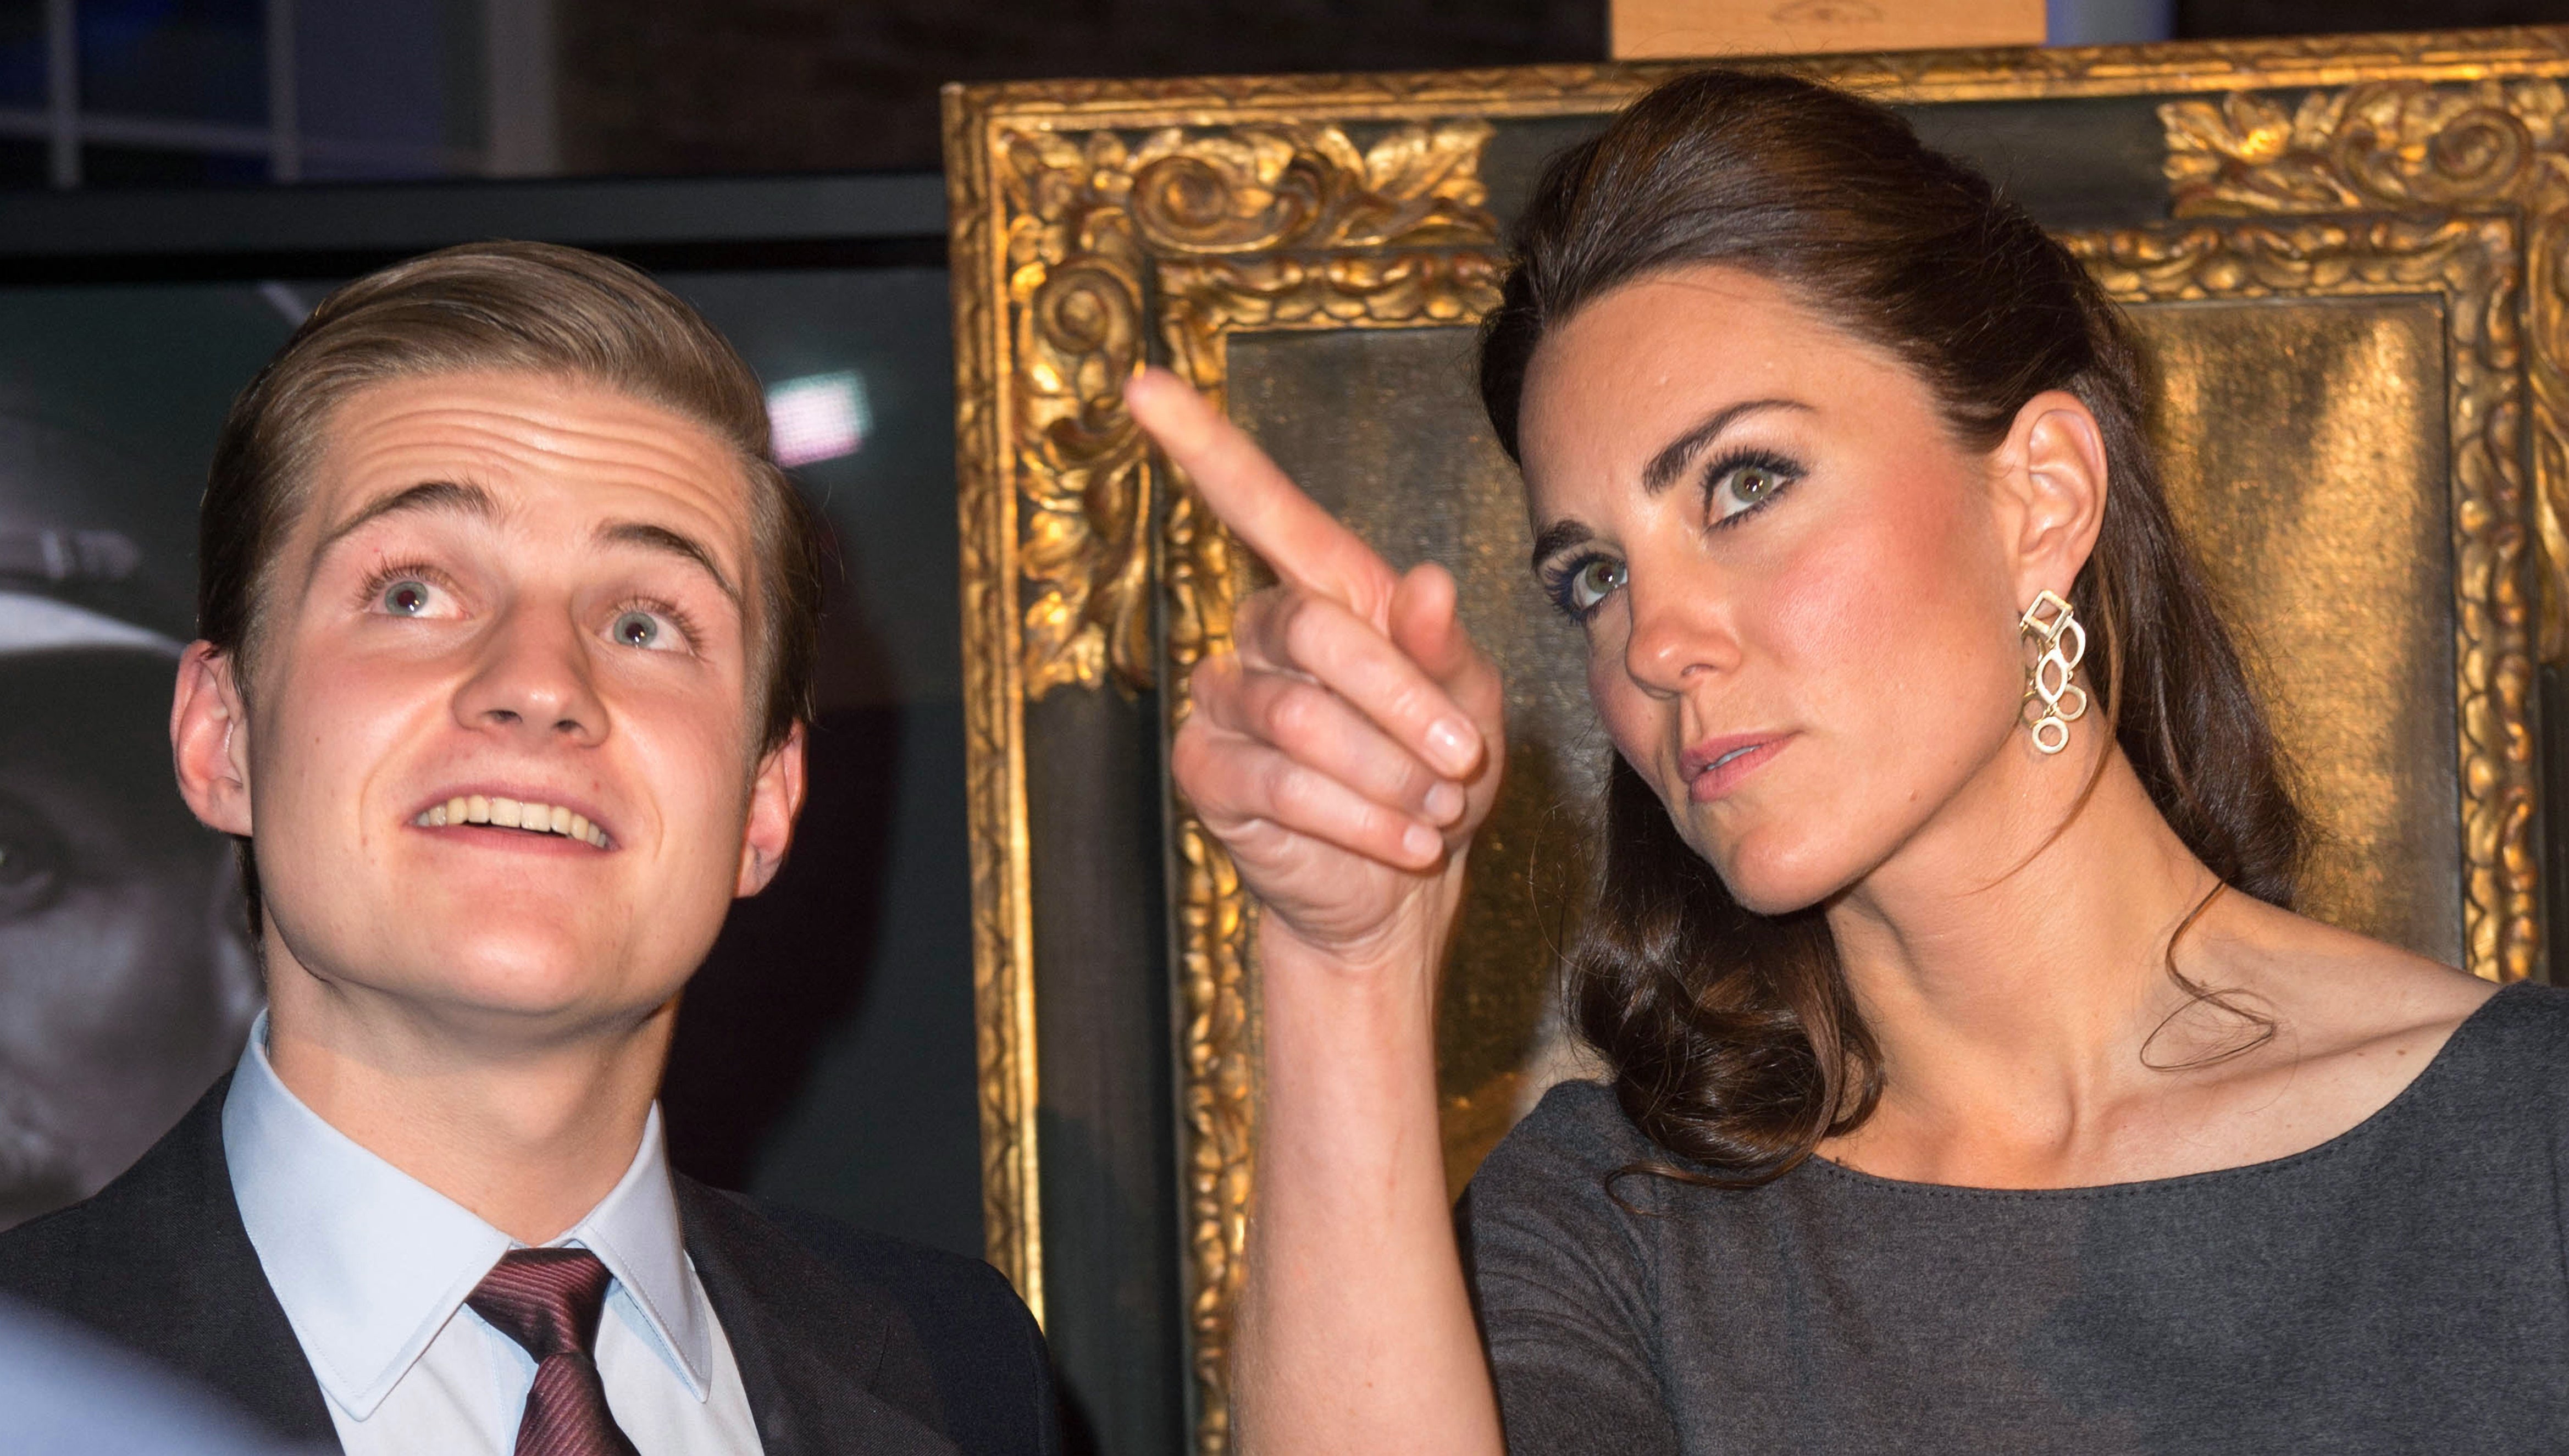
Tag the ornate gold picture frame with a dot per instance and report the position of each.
(2400, 186)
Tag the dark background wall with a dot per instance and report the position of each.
(683, 85)
(161, 91)
(650, 86)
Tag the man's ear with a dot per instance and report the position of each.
(2054, 473)
(209, 739)
(775, 800)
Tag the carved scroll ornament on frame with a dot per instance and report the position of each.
(2399, 145)
(1089, 218)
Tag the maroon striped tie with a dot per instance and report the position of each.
(549, 1301)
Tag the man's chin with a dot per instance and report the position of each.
(530, 974)
(565, 991)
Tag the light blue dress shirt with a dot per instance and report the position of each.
(373, 1267)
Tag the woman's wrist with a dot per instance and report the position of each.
(1391, 977)
(1404, 953)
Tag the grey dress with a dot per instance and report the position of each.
(2400, 1288)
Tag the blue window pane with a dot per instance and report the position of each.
(22, 53)
(201, 60)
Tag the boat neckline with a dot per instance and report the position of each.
(2181, 1180)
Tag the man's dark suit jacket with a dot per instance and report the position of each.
(846, 1342)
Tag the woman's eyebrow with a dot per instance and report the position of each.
(1557, 538)
(1670, 463)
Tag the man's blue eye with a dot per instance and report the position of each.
(406, 599)
(636, 629)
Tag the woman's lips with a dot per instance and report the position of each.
(1716, 766)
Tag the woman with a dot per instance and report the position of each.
(1974, 1087)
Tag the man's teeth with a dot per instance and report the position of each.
(512, 814)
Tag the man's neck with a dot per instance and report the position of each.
(529, 1128)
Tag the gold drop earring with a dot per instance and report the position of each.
(2052, 699)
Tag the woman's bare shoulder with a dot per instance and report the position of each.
(2353, 1020)
(2338, 993)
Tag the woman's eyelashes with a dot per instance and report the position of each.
(1580, 584)
(1743, 481)
(1735, 485)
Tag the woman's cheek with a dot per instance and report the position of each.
(1826, 611)
(1631, 718)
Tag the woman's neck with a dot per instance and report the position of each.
(2010, 962)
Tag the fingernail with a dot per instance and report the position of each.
(1422, 842)
(1444, 803)
(1450, 740)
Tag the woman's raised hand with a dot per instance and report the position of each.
(1350, 744)
(1343, 751)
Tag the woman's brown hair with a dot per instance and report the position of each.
(1735, 1043)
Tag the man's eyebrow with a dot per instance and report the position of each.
(1669, 463)
(1557, 538)
(661, 538)
(447, 496)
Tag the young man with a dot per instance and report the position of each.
(505, 620)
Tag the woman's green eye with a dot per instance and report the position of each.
(1596, 580)
(1744, 486)
(636, 629)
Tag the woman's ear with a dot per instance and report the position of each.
(210, 740)
(2052, 471)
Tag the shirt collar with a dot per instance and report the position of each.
(370, 1273)
(634, 1231)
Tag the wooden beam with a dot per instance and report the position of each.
(1660, 29)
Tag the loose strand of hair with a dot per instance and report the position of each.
(2198, 994)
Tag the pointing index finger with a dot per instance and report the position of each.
(1270, 513)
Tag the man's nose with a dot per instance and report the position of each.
(533, 678)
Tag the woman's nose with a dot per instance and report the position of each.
(1677, 634)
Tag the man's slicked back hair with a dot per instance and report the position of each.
(499, 307)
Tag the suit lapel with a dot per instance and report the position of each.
(158, 1260)
(829, 1368)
